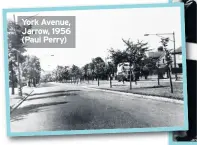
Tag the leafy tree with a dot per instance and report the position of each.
(59, 73)
(16, 48)
(85, 71)
(76, 73)
(47, 78)
(99, 66)
(92, 69)
(168, 58)
(136, 52)
(66, 75)
(118, 56)
(32, 70)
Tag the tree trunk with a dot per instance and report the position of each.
(171, 86)
(20, 93)
(110, 81)
(29, 82)
(34, 82)
(158, 77)
(12, 79)
(98, 81)
(130, 76)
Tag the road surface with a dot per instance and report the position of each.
(55, 107)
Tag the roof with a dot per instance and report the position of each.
(155, 55)
(178, 50)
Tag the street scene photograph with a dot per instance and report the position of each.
(96, 69)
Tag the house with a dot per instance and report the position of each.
(178, 54)
(159, 57)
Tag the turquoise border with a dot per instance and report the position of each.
(98, 131)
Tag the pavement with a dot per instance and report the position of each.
(15, 99)
(56, 106)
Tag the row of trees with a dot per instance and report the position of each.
(95, 70)
(22, 68)
(135, 54)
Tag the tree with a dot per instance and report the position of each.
(168, 58)
(118, 56)
(76, 73)
(109, 71)
(136, 53)
(66, 75)
(99, 66)
(92, 69)
(16, 48)
(85, 69)
(32, 70)
(47, 77)
(59, 73)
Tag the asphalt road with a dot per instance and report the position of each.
(54, 107)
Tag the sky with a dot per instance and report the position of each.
(99, 30)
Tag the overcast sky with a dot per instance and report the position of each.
(99, 30)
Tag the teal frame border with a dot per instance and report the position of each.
(97, 131)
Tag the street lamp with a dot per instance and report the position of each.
(146, 34)
(173, 34)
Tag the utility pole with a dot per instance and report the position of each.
(18, 65)
(172, 34)
(174, 55)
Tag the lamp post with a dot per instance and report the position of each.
(173, 34)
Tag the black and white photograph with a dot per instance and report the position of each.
(97, 69)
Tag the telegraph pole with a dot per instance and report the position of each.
(174, 55)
